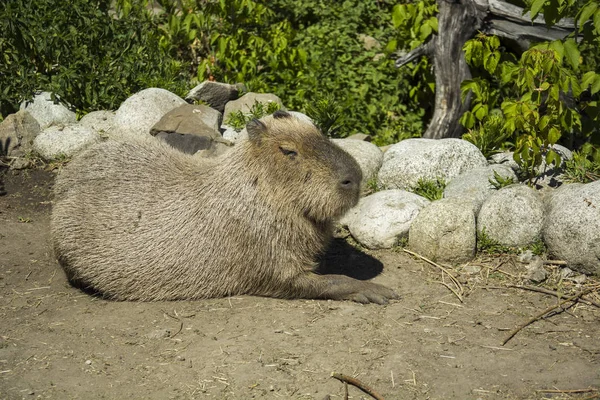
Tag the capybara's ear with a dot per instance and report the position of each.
(281, 114)
(255, 130)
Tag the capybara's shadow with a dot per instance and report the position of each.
(343, 259)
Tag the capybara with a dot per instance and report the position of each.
(138, 220)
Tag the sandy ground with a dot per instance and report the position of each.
(57, 342)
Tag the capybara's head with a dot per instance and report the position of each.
(303, 169)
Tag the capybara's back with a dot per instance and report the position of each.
(139, 220)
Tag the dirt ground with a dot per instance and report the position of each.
(57, 342)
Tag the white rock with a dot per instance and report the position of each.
(572, 226)
(47, 112)
(445, 231)
(247, 101)
(233, 135)
(381, 219)
(101, 122)
(141, 111)
(407, 161)
(513, 216)
(66, 141)
(475, 184)
(367, 155)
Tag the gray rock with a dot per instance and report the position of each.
(185, 128)
(407, 161)
(369, 42)
(381, 219)
(512, 216)
(360, 136)
(535, 271)
(215, 94)
(367, 155)
(17, 133)
(234, 136)
(101, 122)
(445, 231)
(301, 116)
(551, 175)
(475, 184)
(247, 101)
(57, 141)
(505, 158)
(572, 226)
(47, 112)
(526, 257)
(141, 111)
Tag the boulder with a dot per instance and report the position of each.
(141, 111)
(215, 94)
(406, 162)
(247, 101)
(101, 122)
(57, 141)
(475, 186)
(572, 226)
(17, 133)
(47, 111)
(367, 155)
(445, 231)
(381, 219)
(512, 216)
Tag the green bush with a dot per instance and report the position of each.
(431, 189)
(90, 55)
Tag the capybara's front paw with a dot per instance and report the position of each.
(373, 293)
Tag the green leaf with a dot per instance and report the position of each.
(553, 135)
(536, 6)
(596, 85)
(586, 12)
(597, 21)
(572, 53)
(557, 46)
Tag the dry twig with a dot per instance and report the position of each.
(459, 289)
(355, 382)
(548, 310)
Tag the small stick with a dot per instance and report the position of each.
(454, 280)
(556, 262)
(345, 390)
(546, 311)
(551, 292)
(355, 382)
(567, 390)
(458, 296)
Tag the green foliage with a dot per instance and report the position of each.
(485, 244)
(83, 51)
(584, 167)
(490, 136)
(238, 120)
(327, 115)
(498, 182)
(535, 95)
(431, 189)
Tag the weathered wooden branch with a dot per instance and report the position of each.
(426, 49)
(458, 21)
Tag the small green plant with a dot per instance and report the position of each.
(489, 136)
(488, 245)
(372, 186)
(402, 242)
(431, 189)
(238, 120)
(538, 247)
(24, 220)
(584, 167)
(327, 114)
(498, 181)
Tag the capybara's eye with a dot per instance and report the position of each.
(288, 152)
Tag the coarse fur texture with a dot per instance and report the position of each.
(139, 220)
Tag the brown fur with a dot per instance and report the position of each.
(139, 220)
